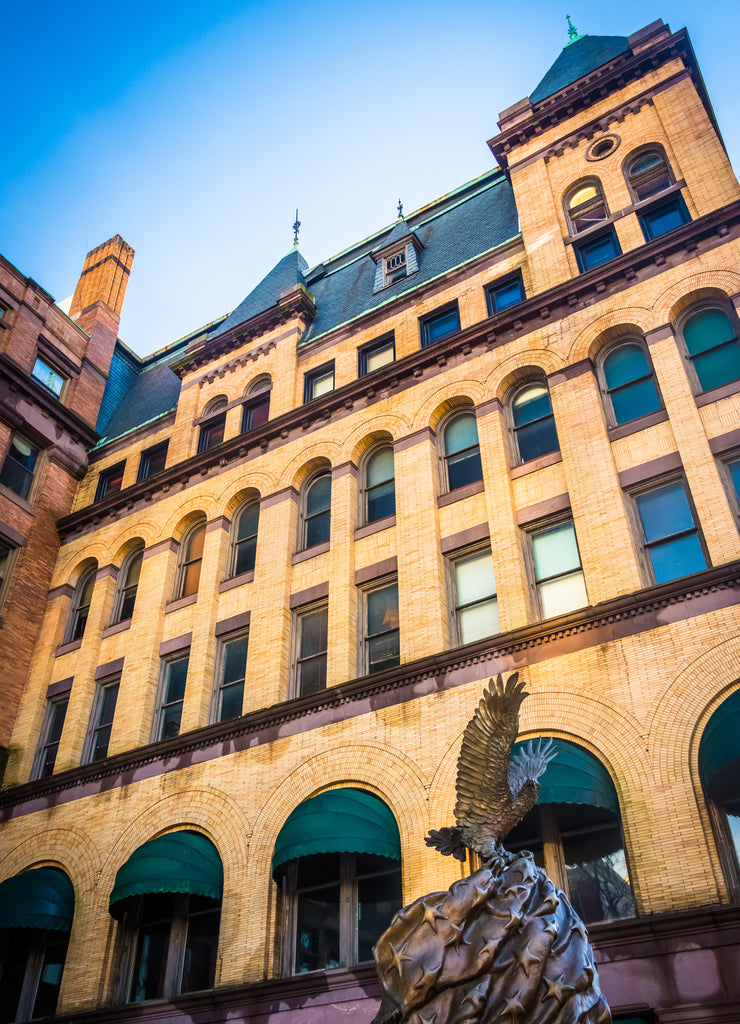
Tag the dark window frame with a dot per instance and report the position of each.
(531, 532)
(582, 248)
(159, 721)
(299, 659)
(96, 727)
(213, 426)
(637, 182)
(656, 484)
(55, 714)
(311, 378)
(79, 609)
(235, 543)
(30, 476)
(607, 391)
(501, 285)
(49, 365)
(308, 520)
(462, 456)
(516, 429)
(126, 592)
(185, 560)
(148, 456)
(9, 553)
(110, 480)
(586, 207)
(661, 206)
(426, 322)
(368, 639)
(366, 489)
(454, 559)
(220, 686)
(722, 305)
(370, 348)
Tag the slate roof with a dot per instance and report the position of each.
(399, 231)
(285, 274)
(577, 59)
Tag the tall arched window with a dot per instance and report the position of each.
(719, 770)
(190, 560)
(575, 834)
(256, 408)
(212, 429)
(461, 451)
(534, 424)
(128, 584)
(629, 382)
(244, 538)
(337, 861)
(711, 338)
(379, 485)
(80, 608)
(316, 512)
(36, 911)
(168, 894)
(648, 175)
(586, 209)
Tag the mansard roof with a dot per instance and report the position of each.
(577, 59)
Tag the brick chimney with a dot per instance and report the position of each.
(104, 278)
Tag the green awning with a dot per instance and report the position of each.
(720, 742)
(338, 821)
(575, 777)
(39, 898)
(177, 862)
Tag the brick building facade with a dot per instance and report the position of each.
(502, 433)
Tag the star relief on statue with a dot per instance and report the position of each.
(503, 945)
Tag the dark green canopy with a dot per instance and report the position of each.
(177, 862)
(720, 742)
(339, 821)
(40, 898)
(575, 777)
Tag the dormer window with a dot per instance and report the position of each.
(397, 258)
(395, 267)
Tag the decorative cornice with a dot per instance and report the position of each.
(620, 617)
(571, 296)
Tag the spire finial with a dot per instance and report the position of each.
(400, 210)
(573, 33)
(296, 229)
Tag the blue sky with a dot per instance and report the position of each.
(195, 130)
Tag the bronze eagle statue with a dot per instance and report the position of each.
(494, 789)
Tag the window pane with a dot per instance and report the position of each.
(555, 551)
(134, 569)
(318, 496)
(235, 659)
(17, 471)
(463, 469)
(537, 439)
(563, 595)
(191, 579)
(382, 609)
(531, 404)
(318, 529)
(721, 366)
(256, 415)
(478, 621)
(195, 542)
(317, 933)
(380, 467)
(170, 723)
(475, 578)
(665, 511)
(248, 521)
(667, 217)
(675, 558)
(646, 162)
(378, 899)
(381, 502)
(322, 384)
(624, 365)
(734, 468)
(246, 554)
(584, 195)
(314, 627)
(378, 357)
(383, 651)
(598, 882)
(177, 672)
(199, 965)
(461, 433)
(51, 978)
(441, 326)
(48, 377)
(507, 295)
(151, 955)
(312, 675)
(232, 701)
(635, 400)
(601, 250)
(707, 329)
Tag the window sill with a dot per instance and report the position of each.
(180, 602)
(717, 394)
(317, 549)
(236, 581)
(73, 645)
(116, 627)
(16, 499)
(535, 464)
(376, 527)
(462, 492)
(634, 426)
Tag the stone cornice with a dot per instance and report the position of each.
(611, 620)
(68, 421)
(577, 293)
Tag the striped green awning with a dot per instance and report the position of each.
(575, 777)
(39, 898)
(338, 821)
(720, 743)
(178, 862)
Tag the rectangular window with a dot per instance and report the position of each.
(476, 606)
(502, 294)
(312, 625)
(558, 572)
(232, 669)
(171, 695)
(152, 460)
(48, 376)
(318, 382)
(439, 325)
(101, 720)
(595, 251)
(671, 535)
(733, 469)
(382, 644)
(664, 217)
(8, 555)
(255, 412)
(110, 481)
(376, 354)
(51, 733)
(394, 267)
(19, 465)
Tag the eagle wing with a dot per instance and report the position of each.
(483, 765)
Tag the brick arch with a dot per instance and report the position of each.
(123, 549)
(306, 461)
(453, 393)
(259, 483)
(629, 319)
(671, 302)
(392, 426)
(236, 495)
(67, 848)
(519, 368)
(70, 567)
(184, 517)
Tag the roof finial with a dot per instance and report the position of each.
(573, 33)
(400, 210)
(296, 229)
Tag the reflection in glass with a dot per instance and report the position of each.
(462, 452)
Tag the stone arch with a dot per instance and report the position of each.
(178, 527)
(308, 460)
(125, 547)
(232, 498)
(378, 427)
(520, 368)
(453, 394)
(607, 328)
(693, 288)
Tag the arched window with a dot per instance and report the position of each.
(168, 893)
(585, 209)
(316, 524)
(380, 486)
(36, 911)
(256, 408)
(190, 561)
(711, 338)
(648, 176)
(128, 584)
(719, 770)
(629, 382)
(534, 424)
(337, 861)
(212, 429)
(461, 451)
(80, 608)
(244, 538)
(575, 834)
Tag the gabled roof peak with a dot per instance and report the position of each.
(287, 272)
(580, 56)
